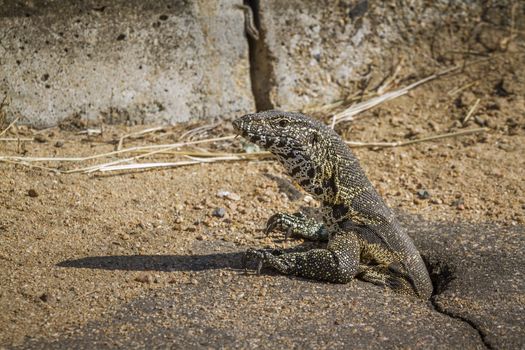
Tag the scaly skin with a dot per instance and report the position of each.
(365, 240)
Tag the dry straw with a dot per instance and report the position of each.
(198, 157)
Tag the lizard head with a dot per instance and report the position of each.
(300, 143)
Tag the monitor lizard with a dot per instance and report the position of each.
(365, 239)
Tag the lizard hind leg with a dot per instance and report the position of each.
(382, 276)
(339, 263)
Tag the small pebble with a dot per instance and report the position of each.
(32, 193)
(59, 143)
(423, 194)
(308, 198)
(46, 297)
(219, 212)
(480, 121)
(143, 279)
(228, 195)
(125, 236)
(40, 138)
(459, 204)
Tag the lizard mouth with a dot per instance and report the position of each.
(243, 129)
(258, 134)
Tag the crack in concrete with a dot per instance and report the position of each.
(442, 274)
(463, 319)
(262, 75)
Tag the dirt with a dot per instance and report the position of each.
(49, 218)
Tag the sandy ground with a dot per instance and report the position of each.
(49, 219)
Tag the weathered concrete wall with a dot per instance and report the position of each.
(315, 52)
(142, 61)
(171, 60)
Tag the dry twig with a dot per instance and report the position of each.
(10, 139)
(461, 88)
(135, 134)
(353, 144)
(90, 132)
(198, 130)
(249, 23)
(349, 113)
(138, 166)
(106, 155)
(471, 111)
(9, 126)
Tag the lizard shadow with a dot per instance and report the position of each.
(158, 262)
(168, 263)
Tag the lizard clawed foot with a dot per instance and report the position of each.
(285, 222)
(260, 256)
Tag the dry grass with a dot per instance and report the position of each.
(184, 149)
(174, 150)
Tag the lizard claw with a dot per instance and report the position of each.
(260, 256)
(274, 221)
(284, 221)
(288, 233)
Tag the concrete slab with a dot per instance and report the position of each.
(480, 268)
(311, 54)
(123, 61)
(476, 268)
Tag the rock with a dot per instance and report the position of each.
(144, 278)
(32, 193)
(423, 194)
(40, 138)
(59, 144)
(458, 203)
(47, 297)
(480, 121)
(228, 195)
(500, 89)
(219, 212)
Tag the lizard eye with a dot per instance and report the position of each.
(283, 123)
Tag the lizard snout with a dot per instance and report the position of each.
(238, 126)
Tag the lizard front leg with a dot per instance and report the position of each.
(298, 225)
(338, 263)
